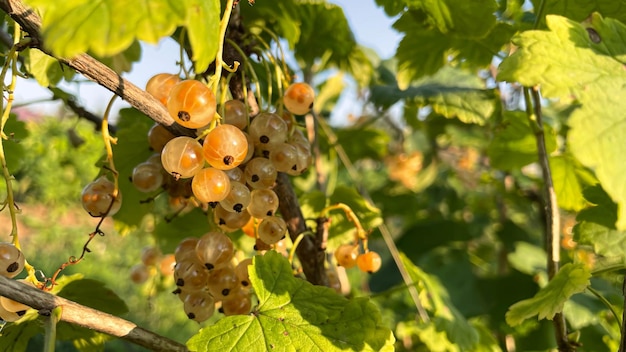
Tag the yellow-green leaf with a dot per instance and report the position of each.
(585, 62)
(105, 27)
(571, 279)
(294, 315)
(203, 25)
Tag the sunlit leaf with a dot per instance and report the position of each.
(47, 70)
(584, 61)
(292, 312)
(570, 178)
(76, 26)
(203, 24)
(571, 279)
(123, 61)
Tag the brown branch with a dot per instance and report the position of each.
(94, 69)
(89, 318)
(551, 210)
(622, 342)
(309, 251)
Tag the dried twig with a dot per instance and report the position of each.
(89, 318)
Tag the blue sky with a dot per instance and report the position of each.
(371, 27)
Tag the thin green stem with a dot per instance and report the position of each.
(280, 48)
(539, 13)
(292, 252)
(247, 64)
(6, 113)
(50, 327)
(108, 141)
(360, 233)
(551, 210)
(181, 52)
(607, 304)
(219, 60)
(384, 230)
(280, 75)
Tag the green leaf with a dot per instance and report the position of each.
(570, 178)
(360, 64)
(424, 50)
(392, 7)
(47, 70)
(281, 17)
(341, 229)
(324, 33)
(596, 225)
(528, 258)
(132, 148)
(363, 143)
(90, 293)
(473, 19)
(14, 337)
(450, 92)
(579, 10)
(445, 316)
(571, 279)
(292, 314)
(583, 310)
(514, 144)
(203, 27)
(606, 241)
(168, 234)
(13, 151)
(317, 31)
(567, 61)
(76, 26)
(425, 235)
(123, 61)
(329, 93)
